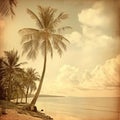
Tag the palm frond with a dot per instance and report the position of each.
(6, 7)
(28, 34)
(32, 54)
(44, 39)
(60, 37)
(46, 15)
(34, 16)
(50, 48)
(59, 43)
(57, 47)
(20, 64)
(62, 16)
(26, 31)
(42, 47)
(31, 47)
(33, 34)
(12, 57)
(26, 46)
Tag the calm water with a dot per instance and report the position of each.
(73, 108)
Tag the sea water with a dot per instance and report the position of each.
(77, 108)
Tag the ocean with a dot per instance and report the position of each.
(79, 108)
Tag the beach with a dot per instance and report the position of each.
(13, 111)
(68, 108)
(12, 114)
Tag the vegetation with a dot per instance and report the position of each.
(15, 81)
(2, 91)
(6, 7)
(29, 78)
(44, 39)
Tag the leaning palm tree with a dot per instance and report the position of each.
(6, 7)
(46, 38)
(10, 68)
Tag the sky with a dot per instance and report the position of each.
(91, 65)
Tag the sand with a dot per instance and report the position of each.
(12, 114)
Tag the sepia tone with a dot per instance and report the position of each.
(60, 59)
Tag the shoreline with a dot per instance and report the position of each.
(12, 114)
(16, 112)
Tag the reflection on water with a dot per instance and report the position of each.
(73, 108)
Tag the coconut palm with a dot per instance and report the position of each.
(29, 79)
(2, 89)
(45, 38)
(11, 67)
(6, 7)
(18, 85)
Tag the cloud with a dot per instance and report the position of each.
(90, 38)
(93, 22)
(75, 38)
(105, 76)
(95, 25)
(68, 75)
(71, 80)
(94, 16)
(93, 45)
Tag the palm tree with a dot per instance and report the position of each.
(45, 39)
(29, 79)
(2, 89)
(6, 7)
(18, 85)
(10, 68)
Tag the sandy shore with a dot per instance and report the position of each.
(18, 112)
(12, 114)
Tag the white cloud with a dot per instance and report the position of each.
(90, 17)
(92, 35)
(75, 38)
(71, 80)
(105, 76)
(68, 76)
(90, 38)
(95, 16)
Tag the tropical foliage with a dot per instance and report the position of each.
(45, 39)
(2, 90)
(11, 68)
(6, 7)
(29, 78)
(15, 81)
(18, 82)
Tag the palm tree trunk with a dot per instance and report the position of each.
(9, 88)
(17, 97)
(21, 97)
(26, 96)
(41, 81)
